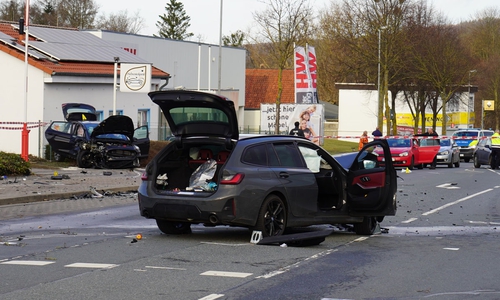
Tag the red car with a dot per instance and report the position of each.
(410, 152)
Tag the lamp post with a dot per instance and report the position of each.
(468, 99)
(380, 103)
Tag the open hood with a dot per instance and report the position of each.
(115, 125)
(193, 113)
(79, 112)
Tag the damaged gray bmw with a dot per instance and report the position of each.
(209, 175)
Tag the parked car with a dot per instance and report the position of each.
(209, 176)
(449, 153)
(112, 143)
(487, 152)
(410, 152)
(465, 137)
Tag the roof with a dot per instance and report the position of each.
(66, 51)
(261, 86)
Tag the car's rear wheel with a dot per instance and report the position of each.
(169, 227)
(272, 217)
(476, 162)
(367, 227)
(84, 159)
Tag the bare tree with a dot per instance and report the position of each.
(121, 22)
(282, 24)
(77, 13)
(12, 10)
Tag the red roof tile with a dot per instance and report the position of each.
(261, 86)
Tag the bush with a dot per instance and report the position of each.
(13, 164)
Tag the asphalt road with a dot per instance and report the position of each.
(442, 244)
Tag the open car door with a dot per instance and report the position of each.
(371, 188)
(141, 140)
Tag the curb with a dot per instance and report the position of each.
(56, 196)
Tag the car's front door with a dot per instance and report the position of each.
(371, 189)
(59, 136)
(141, 140)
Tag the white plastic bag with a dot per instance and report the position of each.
(202, 174)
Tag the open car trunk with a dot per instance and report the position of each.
(190, 170)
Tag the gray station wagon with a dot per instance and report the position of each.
(208, 175)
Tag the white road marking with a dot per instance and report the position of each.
(409, 220)
(453, 249)
(27, 262)
(226, 274)
(271, 274)
(455, 202)
(448, 186)
(164, 268)
(212, 297)
(91, 266)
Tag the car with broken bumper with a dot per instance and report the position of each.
(112, 143)
(209, 176)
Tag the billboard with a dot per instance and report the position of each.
(309, 116)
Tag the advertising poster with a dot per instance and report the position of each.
(309, 116)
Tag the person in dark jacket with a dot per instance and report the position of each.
(297, 131)
(377, 133)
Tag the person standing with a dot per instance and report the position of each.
(297, 131)
(363, 140)
(377, 133)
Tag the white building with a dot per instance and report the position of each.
(67, 65)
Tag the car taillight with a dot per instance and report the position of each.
(144, 176)
(232, 179)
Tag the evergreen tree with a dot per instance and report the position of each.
(174, 24)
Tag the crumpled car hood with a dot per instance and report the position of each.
(115, 125)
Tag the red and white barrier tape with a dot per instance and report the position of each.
(36, 125)
(407, 137)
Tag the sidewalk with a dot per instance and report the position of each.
(71, 182)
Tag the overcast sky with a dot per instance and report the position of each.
(237, 14)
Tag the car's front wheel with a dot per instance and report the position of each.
(367, 227)
(272, 217)
(476, 162)
(58, 157)
(169, 227)
(84, 159)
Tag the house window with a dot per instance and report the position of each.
(142, 117)
(119, 112)
(100, 115)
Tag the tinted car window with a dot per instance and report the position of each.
(182, 115)
(288, 155)
(255, 155)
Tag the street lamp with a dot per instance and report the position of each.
(468, 98)
(380, 101)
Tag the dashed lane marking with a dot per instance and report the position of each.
(27, 262)
(226, 274)
(91, 266)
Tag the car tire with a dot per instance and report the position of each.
(412, 163)
(272, 217)
(367, 227)
(169, 227)
(83, 159)
(420, 166)
(450, 165)
(58, 157)
(476, 162)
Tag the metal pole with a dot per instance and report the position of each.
(468, 100)
(220, 48)
(115, 75)
(25, 131)
(482, 114)
(378, 82)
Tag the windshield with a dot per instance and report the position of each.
(399, 142)
(463, 134)
(445, 143)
